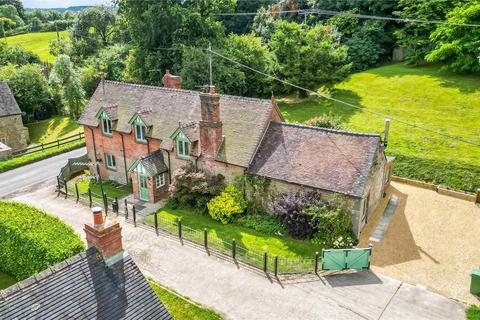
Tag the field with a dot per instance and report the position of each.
(439, 100)
(36, 43)
(56, 127)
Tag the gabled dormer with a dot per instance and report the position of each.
(185, 139)
(141, 123)
(107, 116)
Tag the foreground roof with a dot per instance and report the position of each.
(8, 104)
(153, 163)
(83, 287)
(321, 158)
(244, 119)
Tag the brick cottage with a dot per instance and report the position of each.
(141, 134)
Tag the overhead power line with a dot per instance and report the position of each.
(354, 15)
(409, 124)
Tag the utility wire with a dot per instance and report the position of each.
(355, 15)
(412, 125)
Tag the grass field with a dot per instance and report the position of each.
(52, 129)
(181, 308)
(36, 43)
(426, 96)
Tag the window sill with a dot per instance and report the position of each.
(111, 169)
(107, 134)
(141, 141)
(182, 157)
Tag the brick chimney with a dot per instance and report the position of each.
(210, 125)
(171, 81)
(105, 235)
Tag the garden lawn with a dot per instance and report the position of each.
(36, 42)
(440, 100)
(181, 308)
(247, 238)
(6, 280)
(473, 313)
(52, 129)
(111, 188)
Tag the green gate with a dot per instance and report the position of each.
(340, 259)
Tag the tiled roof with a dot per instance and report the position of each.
(8, 104)
(153, 163)
(83, 287)
(325, 159)
(244, 119)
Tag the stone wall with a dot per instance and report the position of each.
(13, 132)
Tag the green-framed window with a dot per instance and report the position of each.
(160, 180)
(106, 124)
(183, 145)
(110, 161)
(140, 130)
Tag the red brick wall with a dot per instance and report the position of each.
(113, 145)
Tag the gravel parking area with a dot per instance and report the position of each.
(432, 240)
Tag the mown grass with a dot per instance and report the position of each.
(282, 246)
(6, 280)
(49, 130)
(36, 43)
(111, 188)
(182, 308)
(439, 100)
(22, 160)
(473, 313)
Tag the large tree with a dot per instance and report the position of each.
(414, 36)
(458, 46)
(309, 57)
(65, 80)
(17, 4)
(29, 87)
(158, 26)
(95, 22)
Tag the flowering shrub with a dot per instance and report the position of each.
(228, 204)
(326, 121)
(289, 208)
(194, 187)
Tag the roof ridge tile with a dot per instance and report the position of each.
(299, 125)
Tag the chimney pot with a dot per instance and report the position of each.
(97, 217)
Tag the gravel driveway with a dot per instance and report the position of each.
(432, 240)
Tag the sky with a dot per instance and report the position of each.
(61, 3)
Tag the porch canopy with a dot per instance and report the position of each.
(151, 165)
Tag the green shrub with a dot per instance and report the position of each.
(473, 313)
(332, 225)
(263, 223)
(31, 240)
(228, 204)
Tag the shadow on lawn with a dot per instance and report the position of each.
(299, 110)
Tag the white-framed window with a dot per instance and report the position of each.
(160, 180)
(106, 124)
(110, 161)
(183, 145)
(140, 131)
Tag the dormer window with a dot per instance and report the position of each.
(106, 124)
(182, 143)
(140, 129)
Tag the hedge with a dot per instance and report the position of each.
(31, 240)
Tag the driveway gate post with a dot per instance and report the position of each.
(265, 263)
(156, 222)
(234, 249)
(76, 191)
(90, 196)
(316, 262)
(134, 215)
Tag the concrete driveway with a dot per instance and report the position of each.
(241, 294)
(432, 240)
(28, 177)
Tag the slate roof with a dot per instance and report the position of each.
(244, 119)
(153, 163)
(83, 287)
(8, 104)
(326, 159)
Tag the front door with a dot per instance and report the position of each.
(142, 185)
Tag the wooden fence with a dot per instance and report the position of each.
(54, 144)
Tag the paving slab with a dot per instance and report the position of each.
(238, 293)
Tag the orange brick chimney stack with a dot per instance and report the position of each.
(171, 81)
(210, 125)
(105, 235)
